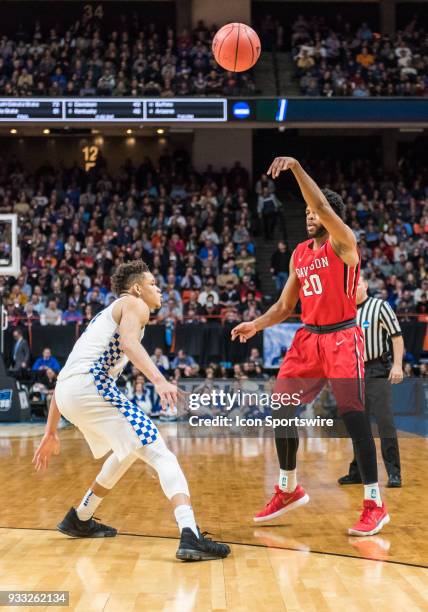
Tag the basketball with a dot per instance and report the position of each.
(236, 47)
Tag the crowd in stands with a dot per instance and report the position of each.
(195, 230)
(344, 61)
(86, 58)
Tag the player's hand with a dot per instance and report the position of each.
(168, 394)
(49, 446)
(396, 375)
(244, 331)
(280, 164)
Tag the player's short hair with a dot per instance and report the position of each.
(335, 202)
(126, 274)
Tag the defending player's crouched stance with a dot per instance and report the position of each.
(324, 274)
(87, 395)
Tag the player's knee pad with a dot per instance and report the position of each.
(113, 470)
(161, 459)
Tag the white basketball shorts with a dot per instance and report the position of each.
(106, 418)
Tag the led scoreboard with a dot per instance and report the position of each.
(293, 111)
(186, 110)
(29, 109)
(112, 109)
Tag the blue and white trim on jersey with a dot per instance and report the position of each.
(143, 426)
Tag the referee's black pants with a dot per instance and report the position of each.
(378, 403)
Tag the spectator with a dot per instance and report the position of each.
(192, 304)
(305, 62)
(209, 291)
(47, 386)
(423, 370)
(237, 371)
(228, 274)
(255, 357)
(182, 360)
(210, 310)
(190, 280)
(358, 63)
(208, 249)
(20, 352)
(241, 235)
(229, 297)
(267, 207)
(245, 262)
(131, 379)
(191, 316)
(47, 360)
(265, 181)
(365, 58)
(421, 292)
(280, 265)
(160, 360)
(140, 397)
(51, 315)
(30, 316)
(408, 370)
(72, 314)
(170, 312)
(252, 311)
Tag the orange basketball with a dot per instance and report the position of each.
(236, 47)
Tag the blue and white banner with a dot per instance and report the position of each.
(276, 342)
(6, 399)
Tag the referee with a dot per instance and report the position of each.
(379, 323)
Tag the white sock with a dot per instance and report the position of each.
(287, 480)
(185, 518)
(371, 491)
(88, 505)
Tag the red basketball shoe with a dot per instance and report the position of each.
(372, 519)
(282, 502)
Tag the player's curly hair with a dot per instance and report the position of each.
(126, 274)
(335, 202)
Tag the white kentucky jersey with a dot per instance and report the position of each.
(97, 351)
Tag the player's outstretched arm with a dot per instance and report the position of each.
(341, 236)
(277, 313)
(49, 444)
(133, 317)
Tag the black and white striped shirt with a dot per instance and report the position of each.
(378, 322)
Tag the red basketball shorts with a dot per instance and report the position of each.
(314, 360)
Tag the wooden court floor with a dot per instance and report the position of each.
(304, 560)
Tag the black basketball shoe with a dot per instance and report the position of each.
(350, 479)
(394, 481)
(193, 548)
(71, 525)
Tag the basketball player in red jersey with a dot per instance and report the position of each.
(324, 273)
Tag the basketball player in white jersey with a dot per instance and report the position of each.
(87, 395)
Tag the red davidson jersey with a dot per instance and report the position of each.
(328, 285)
